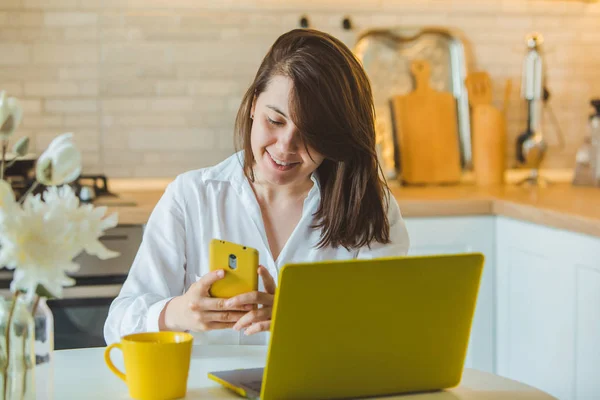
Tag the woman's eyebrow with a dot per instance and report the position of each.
(277, 110)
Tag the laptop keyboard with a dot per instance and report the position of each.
(254, 385)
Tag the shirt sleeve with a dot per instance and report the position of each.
(399, 240)
(157, 274)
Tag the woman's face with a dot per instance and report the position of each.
(281, 157)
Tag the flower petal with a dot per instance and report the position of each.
(65, 138)
(67, 163)
(3, 106)
(4, 259)
(64, 165)
(10, 115)
(71, 267)
(96, 248)
(43, 169)
(110, 222)
(4, 112)
(16, 111)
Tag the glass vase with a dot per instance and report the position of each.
(17, 358)
(44, 348)
(4, 310)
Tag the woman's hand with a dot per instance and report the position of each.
(197, 311)
(259, 319)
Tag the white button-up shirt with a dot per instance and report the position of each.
(218, 202)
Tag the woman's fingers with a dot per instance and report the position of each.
(262, 326)
(238, 312)
(210, 320)
(268, 280)
(222, 316)
(250, 298)
(261, 314)
(207, 281)
(217, 304)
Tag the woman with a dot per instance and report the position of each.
(306, 187)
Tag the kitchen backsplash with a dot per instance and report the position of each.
(151, 87)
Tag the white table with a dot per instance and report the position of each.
(82, 374)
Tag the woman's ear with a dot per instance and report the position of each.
(253, 108)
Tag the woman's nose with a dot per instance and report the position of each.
(287, 142)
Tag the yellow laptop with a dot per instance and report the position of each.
(364, 328)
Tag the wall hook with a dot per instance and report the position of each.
(347, 23)
(304, 21)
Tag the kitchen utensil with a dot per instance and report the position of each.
(489, 130)
(587, 171)
(87, 194)
(489, 145)
(595, 136)
(97, 182)
(386, 55)
(426, 127)
(534, 150)
(584, 171)
(479, 87)
(531, 146)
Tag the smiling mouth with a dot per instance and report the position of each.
(280, 164)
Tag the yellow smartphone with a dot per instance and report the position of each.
(241, 268)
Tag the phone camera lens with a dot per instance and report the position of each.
(232, 261)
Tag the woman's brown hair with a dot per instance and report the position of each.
(332, 107)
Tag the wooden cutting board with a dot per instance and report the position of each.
(425, 122)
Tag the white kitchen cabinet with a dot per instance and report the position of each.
(548, 308)
(451, 235)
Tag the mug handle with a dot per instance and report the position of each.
(109, 362)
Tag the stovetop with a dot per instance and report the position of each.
(97, 185)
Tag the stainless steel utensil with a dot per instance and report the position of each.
(531, 146)
(87, 194)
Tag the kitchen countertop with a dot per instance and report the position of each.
(559, 205)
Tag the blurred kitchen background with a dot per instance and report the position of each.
(151, 87)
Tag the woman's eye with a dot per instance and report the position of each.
(273, 122)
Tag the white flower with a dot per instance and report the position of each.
(60, 163)
(10, 115)
(89, 219)
(40, 240)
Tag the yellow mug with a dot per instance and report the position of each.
(156, 364)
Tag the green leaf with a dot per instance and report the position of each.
(43, 292)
